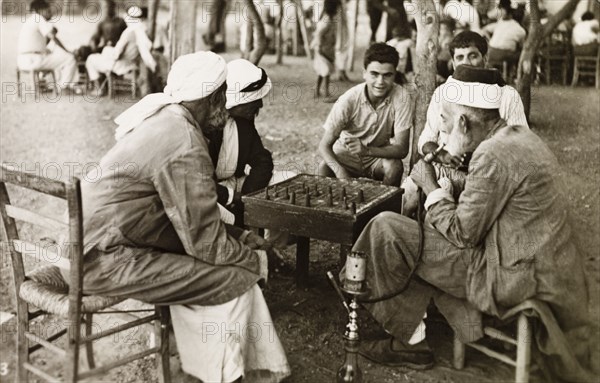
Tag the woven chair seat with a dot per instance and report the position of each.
(46, 289)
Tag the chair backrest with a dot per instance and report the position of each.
(557, 43)
(69, 246)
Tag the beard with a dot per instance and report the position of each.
(216, 120)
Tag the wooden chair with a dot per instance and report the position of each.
(554, 56)
(38, 77)
(45, 289)
(84, 80)
(587, 66)
(520, 348)
(126, 82)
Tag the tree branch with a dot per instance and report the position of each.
(557, 18)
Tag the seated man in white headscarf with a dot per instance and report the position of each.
(242, 164)
(153, 230)
(502, 248)
(123, 57)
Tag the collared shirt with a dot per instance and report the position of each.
(507, 35)
(585, 32)
(354, 116)
(32, 38)
(511, 110)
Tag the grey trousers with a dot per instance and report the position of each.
(391, 243)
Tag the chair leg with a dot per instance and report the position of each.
(36, 83)
(54, 85)
(19, 83)
(89, 346)
(109, 79)
(161, 330)
(134, 86)
(524, 340)
(459, 353)
(22, 341)
(575, 74)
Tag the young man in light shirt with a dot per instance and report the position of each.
(368, 129)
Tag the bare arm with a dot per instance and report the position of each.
(52, 36)
(326, 151)
(398, 150)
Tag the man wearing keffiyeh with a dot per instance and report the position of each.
(153, 230)
(242, 164)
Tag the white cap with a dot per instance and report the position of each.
(134, 11)
(474, 94)
(245, 83)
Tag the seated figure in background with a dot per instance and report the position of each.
(123, 57)
(586, 36)
(109, 29)
(508, 37)
(405, 47)
(39, 48)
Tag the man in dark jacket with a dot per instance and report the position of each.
(242, 164)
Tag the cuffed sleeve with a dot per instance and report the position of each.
(230, 194)
(436, 196)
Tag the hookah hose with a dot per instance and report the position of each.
(417, 261)
(429, 157)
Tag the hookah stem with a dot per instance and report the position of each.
(338, 291)
(418, 260)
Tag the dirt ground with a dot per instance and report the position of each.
(69, 134)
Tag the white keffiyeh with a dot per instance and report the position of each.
(240, 74)
(192, 77)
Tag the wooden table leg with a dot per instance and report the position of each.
(302, 260)
(344, 250)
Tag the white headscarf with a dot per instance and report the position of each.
(240, 74)
(192, 77)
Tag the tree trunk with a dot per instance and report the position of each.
(216, 18)
(353, 35)
(182, 28)
(428, 24)
(279, 34)
(152, 13)
(259, 43)
(246, 39)
(537, 33)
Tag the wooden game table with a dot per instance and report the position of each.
(329, 209)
